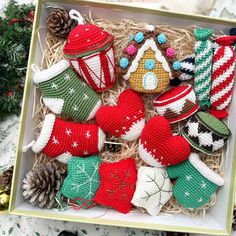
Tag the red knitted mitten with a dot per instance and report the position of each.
(159, 147)
(65, 139)
(118, 183)
(126, 119)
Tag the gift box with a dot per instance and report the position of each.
(218, 219)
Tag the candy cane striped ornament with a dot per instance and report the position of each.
(203, 65)
(222, 76)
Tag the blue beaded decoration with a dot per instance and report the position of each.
(124, 62)
(149, 64)
(176, 65)
(161, 38)
(139, 37)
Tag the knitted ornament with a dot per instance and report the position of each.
(63, 139)
(149, 62)
(205, 132)
(222, 76)
(158, 147)
(177, 103)
(90, 51)
(187, 68)
(82, 180)
(118, 180)
(203, 65)
(153, 189)
(195, 183)
(65, 94)
(126, 119)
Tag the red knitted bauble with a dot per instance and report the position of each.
(159, 147)
(118, 183)
(126, 119)
(65, 139)
(90, 51)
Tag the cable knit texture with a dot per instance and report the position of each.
(90, 51)
(65, 94)
(69, 138)
(126, 119)
(118, 181)
(205, 132)
(195, 183)
(222, 76)
(177, 103)
(159, 147)
(203, 65)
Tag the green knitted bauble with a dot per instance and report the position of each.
(64, 93)
(195, 183)
(203, 65)
(82, 181)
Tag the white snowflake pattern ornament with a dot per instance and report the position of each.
(153, 189)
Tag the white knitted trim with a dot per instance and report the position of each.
(147, 156)
(101, 139)
(205, 170)
(94, 111)
(51, 72)
(54, 104)
(134, 131)
(45, 134)
(64, 157)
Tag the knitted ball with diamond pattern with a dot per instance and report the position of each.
(205, 132)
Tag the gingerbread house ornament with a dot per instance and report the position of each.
(149, 62)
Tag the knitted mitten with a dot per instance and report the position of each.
(153, 189)
(126, 119)
(65, 94)
(118, 180)
(205, 132)
(65, 139)
(158, 147)
(90, 51)
(195, 182)
(187, 68)
(177, 103)
(203, 65)
(222, 76)
(82, 180)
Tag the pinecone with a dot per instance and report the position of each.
(6, 179)
(59, 23)
(42, 183)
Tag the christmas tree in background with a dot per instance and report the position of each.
(15, 35)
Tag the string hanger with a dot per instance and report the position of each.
(75, 15)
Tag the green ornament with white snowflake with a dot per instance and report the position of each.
(196, 182)
(82, 181)
(65, 94)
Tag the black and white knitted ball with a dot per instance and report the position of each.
(187, 68)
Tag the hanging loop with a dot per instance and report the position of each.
(75, 15)
(35, 68)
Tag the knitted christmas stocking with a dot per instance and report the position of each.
(195, 183)
(65, 94)
(203, 65)
(126, 119)
(158, 147)
(222, 76)
(82, 180)
(63, 139)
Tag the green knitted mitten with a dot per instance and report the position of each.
(195, 183)
(82, 181)
(64, 93)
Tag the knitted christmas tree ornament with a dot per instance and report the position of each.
(65, 94)
(153, 189)
(158, 147)
(187, 68)
(195, 183)
(63, 139)
(149, 62)
(118, 180)
(90, 51)
(203, 65)
(177, 103)
(205, 132)
(222, 76)
(126, 119)
(82, 180)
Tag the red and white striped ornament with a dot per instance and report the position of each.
(222, 76)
